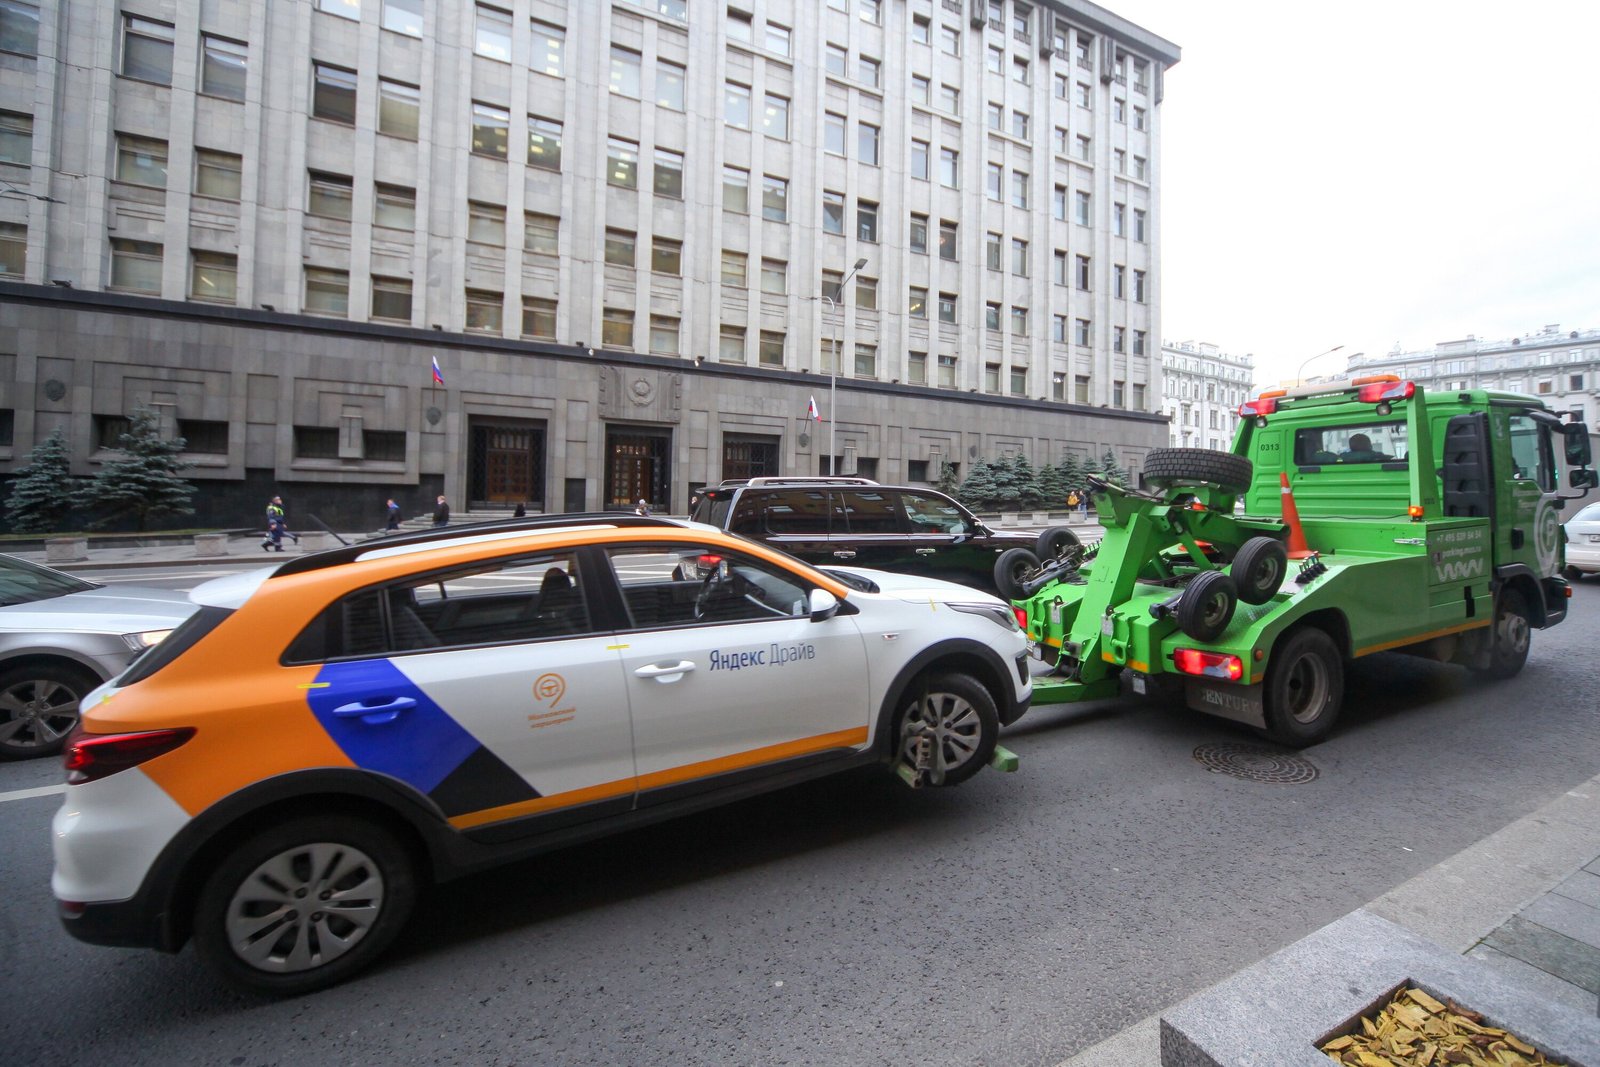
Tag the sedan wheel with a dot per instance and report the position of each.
(39, 708)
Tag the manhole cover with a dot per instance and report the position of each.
(1256, 764)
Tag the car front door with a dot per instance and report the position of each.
(942, 537)
(870, 530)
(729, 675)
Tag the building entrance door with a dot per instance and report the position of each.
(505, 463)
(637, 465)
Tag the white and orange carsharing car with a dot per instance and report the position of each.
(278, 777)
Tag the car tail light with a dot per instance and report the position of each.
(1022, 617)
(1373, 392)
(93, 756)
(1208, 664)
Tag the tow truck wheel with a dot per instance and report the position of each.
(957, 715)
(1166, 467)
(1304, 688)
(1013, 566)
(1258, 569)
(1207, 606)
(1510, 636)
(1054, 541)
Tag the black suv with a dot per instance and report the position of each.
(859, 523)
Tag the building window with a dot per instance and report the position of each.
(736, 105)
(399, 108)
(1019, 381)
(486, 223)
(19, 27)
(329, 196)
(394, 206)
(1082, 97)
(1138, 225)
(871, 11)
(1119, 110)
(833, 285)
(1019, 189)
(538, 317)
(921, 90)
(1138, 286)
(992, 254)
(947, 372)
(1119, 216)
(668, 176)
(664, 334)
(1119, 276)
(327, 291)
(867, 221)
(1084, 147)
(947, 308)
(774, 198)
(1080, 389)
(950, 99)
(949, 168)
(1058, 267)
(13, 249)
(622, 163)
(771, 351)
(1081, 276)
(666, 256)
(1118, 335)
(1019, 257)
(866, 293)
(383, 446)
(731, 344)
(549, 49)
(836, 60)
(1019, 322)
(333, 93)
(867, 144)
(993, 180)
(493, 40)
(777, 39)
(775, 117)
(994, 59)
(947, 240)
(1139, 165)
(391, 298)
(1019, 70)
(485, 312)
(1138, 342)
(866, 361)
(735, 268)
(991, 316)
(213, 276)
(774, 277)
(625, 67)
(403, 16)
(950, 40)
(1080, 200)
(917, 374)
(16, 137)
(1140, 120)
(316, 442)
(868, 70)
(917, 303)
(1119, 160)
(1058, 329)
(921, 30)
(1084, 333)
(204, 436)
(141, 161)
(616, 328)
(217, 174)
(739, 28)
(833, 128)
(736, 190)
(146, 49)
(832, 212)
(222, 67)
(620, 247)
(669, 85)
(491, 127)
(917, 235)
(1019, 124)
(544, 143)
(1117, 400)
(919, 160)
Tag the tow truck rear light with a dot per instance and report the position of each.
(1208, 664)
(93, 756)
(707, 561)
(1022, 617)
(1265, 404)
(1373, 392)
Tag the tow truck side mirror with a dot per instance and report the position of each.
(1585, 478)
(1577, 444)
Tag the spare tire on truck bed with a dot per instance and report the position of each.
(1166, 467)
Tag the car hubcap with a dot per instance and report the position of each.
(305, 907)
(37, 713)
(1307, 687)
(951, 722)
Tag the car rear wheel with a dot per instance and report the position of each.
(304, 905)
(956, 715)
(39, 708)
(1304, 688)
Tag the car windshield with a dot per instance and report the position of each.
(22, 582)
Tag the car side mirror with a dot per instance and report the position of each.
(823, 605)
(1586, 479)
(1577, 444)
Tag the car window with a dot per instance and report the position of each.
(1531, 456)
(660, 590)
(526, 598)
(22, 582)
(933, 514)
(1378, 442)
(870, 511)
(792, 512)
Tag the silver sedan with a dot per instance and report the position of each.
(60, 637)
(1583, 542)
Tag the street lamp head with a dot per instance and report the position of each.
(862, 262)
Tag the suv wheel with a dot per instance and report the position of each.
(304, 905)
(958, 716)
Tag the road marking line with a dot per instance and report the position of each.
(28, 794)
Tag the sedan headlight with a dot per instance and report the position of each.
(999, 614)
(144, 639)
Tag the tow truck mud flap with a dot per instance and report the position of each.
(1241, 703)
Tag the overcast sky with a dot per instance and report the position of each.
(1371, 173)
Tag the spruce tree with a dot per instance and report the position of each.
(948, 484)
(980, 490)
(1026, 479)
(1052, 487)
(144, 481)
(41, 493)
(1071, 470)
(1110, 470)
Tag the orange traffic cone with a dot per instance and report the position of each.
(1291, 515)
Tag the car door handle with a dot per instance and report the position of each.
(665, 672)
(926, 551)
(844, 553)
(377, 711)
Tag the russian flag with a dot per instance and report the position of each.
(812, 412)
(438, 378)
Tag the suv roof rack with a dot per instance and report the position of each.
(822, 479)
(333, 557)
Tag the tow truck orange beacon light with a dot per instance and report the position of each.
(1415, 511)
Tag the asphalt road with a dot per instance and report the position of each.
(1014, 920)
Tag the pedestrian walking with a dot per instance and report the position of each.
(277, 527)
(642, 507)
(393, 510)
(1072, 500)
(1083, 503)
(441, 512)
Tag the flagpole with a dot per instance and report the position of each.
(833, 371)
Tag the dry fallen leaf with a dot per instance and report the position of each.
(1415, 1030)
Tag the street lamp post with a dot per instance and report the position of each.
(1299, 378)
(833, 364)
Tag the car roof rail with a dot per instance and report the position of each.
(334, 557)
(820, 479)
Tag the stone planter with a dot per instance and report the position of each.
(1041, 518)
(212, 544)
(1009, 518)
(66, 549)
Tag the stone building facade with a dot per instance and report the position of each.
(1204, 387)
(626, 232)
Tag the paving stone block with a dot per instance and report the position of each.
(1548, 950)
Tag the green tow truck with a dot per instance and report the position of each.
(1350, 517)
